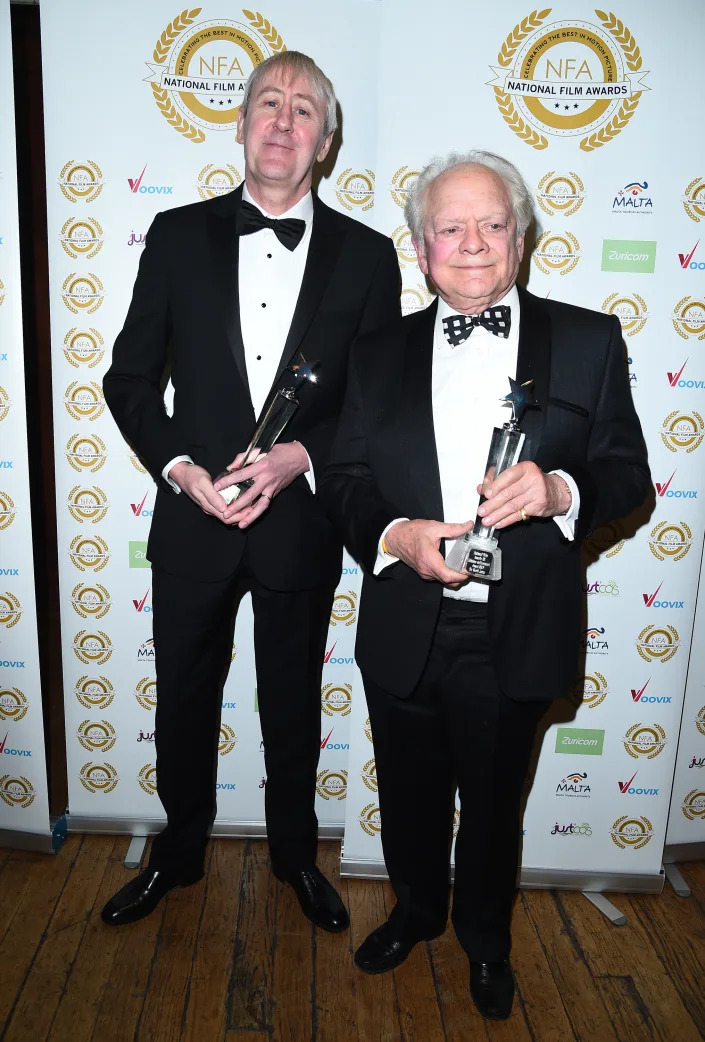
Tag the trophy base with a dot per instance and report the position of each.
(233, 492)
(481, 558)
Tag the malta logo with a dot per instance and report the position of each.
(148, 779)
(631, 832)
(199, 69)
(568, 78)
(16, 792)
(13, 704)
(83, 347)
(87, 503)
(415, 298)
(355, 189)
(369, 775)
(332, 785)
(84, 401)
(402, 183)
(591, 690)
(10, 610)
(227, 740)
(96, 736)
(82, 293)
(86, 452)
(658, 643)
(94, 692)
(683, 431)
(89, 552)
(344, 610)
(645, 740)
(688, 318)
(560, 194)
(336, 700)
(4, 404)
(146, 693)
(81, 237)
(7, 510)
(669, 541)
(632, 312)
(217, 180)
(93, 649)
(90, 601)
(81, 182)
(370, 820)
(693, 805)
(554, 252)
(694, 199)
(98, 777)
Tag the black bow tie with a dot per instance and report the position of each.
(458, 328)
(249, 219)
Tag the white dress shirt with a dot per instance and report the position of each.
(468, 383)
(269, 281)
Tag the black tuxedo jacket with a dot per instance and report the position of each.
(184, 311)
(384, 465)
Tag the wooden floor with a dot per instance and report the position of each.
(233, 959)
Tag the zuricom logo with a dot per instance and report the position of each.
(636, 255)
(136, 186)
(583, 740)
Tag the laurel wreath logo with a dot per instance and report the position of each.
(632, 56)
(504, 101)
(694, 211)
(679, 318)
(266, 30)
(545, 200)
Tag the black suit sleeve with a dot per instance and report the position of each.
(132, 384)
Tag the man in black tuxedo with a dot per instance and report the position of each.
(232, 290)
(458, 673)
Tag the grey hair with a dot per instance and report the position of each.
(293, 64)
(519, 194)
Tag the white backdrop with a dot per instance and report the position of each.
(600, 165)
(24, 807)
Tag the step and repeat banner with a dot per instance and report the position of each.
(24, 805)
(577, 98)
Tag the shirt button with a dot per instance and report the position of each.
(264, 305)
(269, 256)
(259, 358)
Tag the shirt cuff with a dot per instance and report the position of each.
(383, 558)
(170, 464)
(566, 522)
(309, 475)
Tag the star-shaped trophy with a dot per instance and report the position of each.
(282, 406)
(477, 552)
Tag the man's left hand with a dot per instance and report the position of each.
(271, 472)
(523, 486)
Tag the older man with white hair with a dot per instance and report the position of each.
(457, 672)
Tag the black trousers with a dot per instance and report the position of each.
(456, 728)
(192, 638)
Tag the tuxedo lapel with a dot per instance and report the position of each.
(533, 363)
(224, 274)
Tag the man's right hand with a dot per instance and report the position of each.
(416, 543)
(196, 482)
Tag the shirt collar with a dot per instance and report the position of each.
(303, 209)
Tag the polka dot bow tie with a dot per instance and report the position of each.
(458, 328)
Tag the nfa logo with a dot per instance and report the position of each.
(336, 700)
(13, 704)
(369, 775)
(146, 693)
(90, 601)
(86, 452)
(583, 740)
(693, 199)
(657, 643)
(575, 784)
(401, 237)
(227, 739)
(631, 832)
(594, 641)
(670, 541)
(81, 237)
(415, 298)
(93, 649)
(199, 71)
(591, 690)
(96, 735)
(332, 785)
(217, 180)
(572, 829)
(561, 194)
(7, 510)
(94, 692)
(84, 401)
(356, 189)
(368, 730)
(139, 510)
(10, 610)
(82, 293)
(631, 311)
(688, 318)
(89, 552)
(638, 695)
(81, 182)
(631, 199)
(369, 819)
(98, 777)
(693, 805)
(145, 652)
(83, 347)
(700, 720)
(135, 461)
(4, 404)
(87, 503)
(597, 588)
(553, 252)
(664, 489)
(16, 792)
(147, 779)
(636, 255)
(344, 610)
(645, 740)
(568, 78)
(403, 181)
(651, 602)
(141, 604)
(682, 431)
(627, 789)
(136, 186)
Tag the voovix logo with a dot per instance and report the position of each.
(328, 659)
(664, 489)
(639, 695)
(138, 509)
(651, 602)
(141, 605)
(687, 262)
(136, 186)
(675, 380)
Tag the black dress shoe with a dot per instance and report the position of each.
(384, 950)
(142, 894)
(492, 988)
(319, 900)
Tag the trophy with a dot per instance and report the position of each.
(282, 407)
(477, 551)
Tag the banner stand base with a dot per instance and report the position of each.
(135, 852)
(684, 852)
(609, 910)
(676, 879)
(143, 827)
(42, 842)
